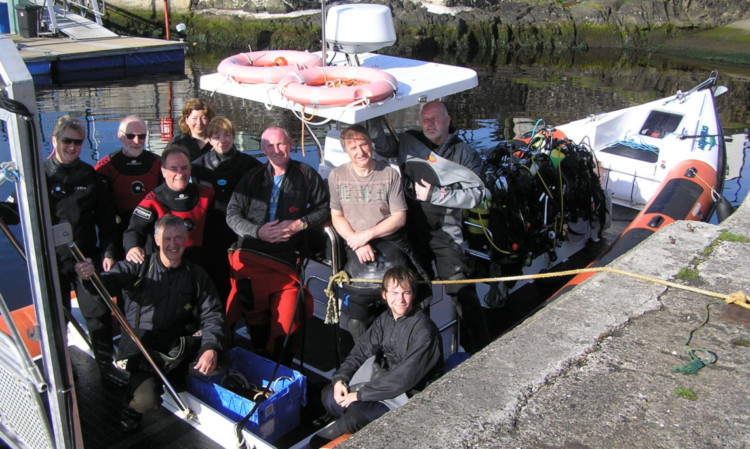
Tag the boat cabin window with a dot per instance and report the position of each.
(659, 124)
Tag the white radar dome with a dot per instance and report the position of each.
(359, 28)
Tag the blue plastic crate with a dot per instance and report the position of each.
(276, 415)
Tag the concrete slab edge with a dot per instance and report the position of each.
(486, 393)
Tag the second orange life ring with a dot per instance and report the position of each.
(338, 86)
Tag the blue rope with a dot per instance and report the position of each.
(8, 173)
(634, 145)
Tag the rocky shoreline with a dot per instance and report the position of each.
(464, 26)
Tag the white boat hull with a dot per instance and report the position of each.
(667, 131)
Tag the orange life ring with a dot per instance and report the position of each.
(337, 86)
(268, 67)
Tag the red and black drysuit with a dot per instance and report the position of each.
(79, 196)
(130, 179)
(222, 172)
(264, 280)
(191, 205)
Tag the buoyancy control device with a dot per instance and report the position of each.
(539, 185)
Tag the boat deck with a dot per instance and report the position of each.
(99, 406)
(99, 409)
(63, 59)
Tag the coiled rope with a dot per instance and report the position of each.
(694, 354)
(332, 312)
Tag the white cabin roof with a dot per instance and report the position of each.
(418, 82)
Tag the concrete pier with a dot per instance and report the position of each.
(594, 369)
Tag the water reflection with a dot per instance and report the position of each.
(513, 91)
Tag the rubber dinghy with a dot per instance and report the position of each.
(668, 154)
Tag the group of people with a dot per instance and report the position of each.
(203, 235)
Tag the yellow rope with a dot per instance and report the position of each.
(739, 297)
(332, 309)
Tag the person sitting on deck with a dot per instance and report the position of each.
(175, 311)
(221, 169)
(368, 210)
(131, 171)
(442, 177)
(196, 115)
(176, 196)
(395, 358)
(268, 210)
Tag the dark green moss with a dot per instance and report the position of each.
(464, 38)
(686, 393)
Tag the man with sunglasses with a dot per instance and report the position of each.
(132, 172)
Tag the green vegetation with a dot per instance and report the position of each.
(688, 274)
(744, 342)
(727, 236)
(686, 393)
(464, 35)
(724, 236)
(707, 251)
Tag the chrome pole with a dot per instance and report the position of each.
(68, 316)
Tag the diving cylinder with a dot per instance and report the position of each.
(479, 219)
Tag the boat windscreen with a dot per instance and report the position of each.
(659, 124)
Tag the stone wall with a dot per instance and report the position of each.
(461, 25)
(699, 13)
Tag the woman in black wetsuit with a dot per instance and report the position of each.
(221, 168)
(196, 114)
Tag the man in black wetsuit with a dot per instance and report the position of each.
(176, 196)
(132, 172)
(394, 359)
(442, 177)
(173, 308)
(79, 196)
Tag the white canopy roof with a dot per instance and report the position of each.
(418, 82)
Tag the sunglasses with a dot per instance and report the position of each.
(68, 141)
(132, 136)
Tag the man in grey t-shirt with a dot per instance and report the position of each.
(368, 209)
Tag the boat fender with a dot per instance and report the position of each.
(723, 209)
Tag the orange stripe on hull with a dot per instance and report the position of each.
(25, 319)
(685, 194)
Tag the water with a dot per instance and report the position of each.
(510, 93)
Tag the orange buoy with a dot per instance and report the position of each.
(338, 86)
(269, 67)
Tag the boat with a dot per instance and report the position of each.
(666, 158)
(50, 402)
